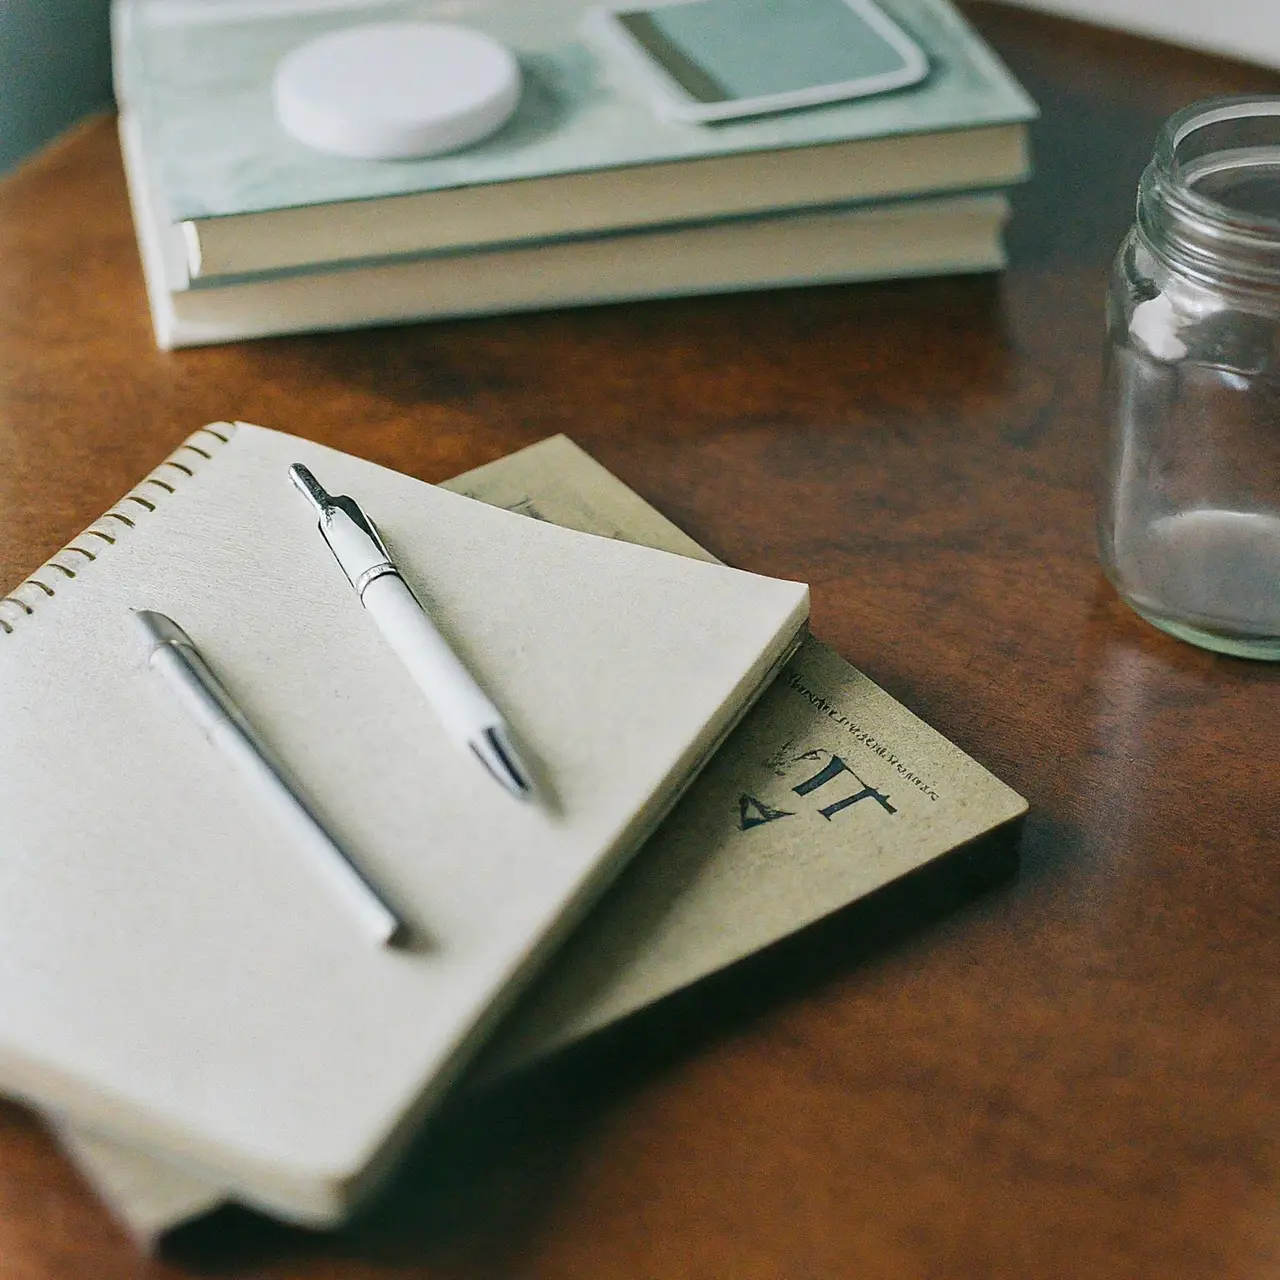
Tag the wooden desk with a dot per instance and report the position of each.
(1072, 1076)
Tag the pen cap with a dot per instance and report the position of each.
(359, 554)
(156, 629)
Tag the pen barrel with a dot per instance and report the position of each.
(448, 686)
(235, 740)
(201, 696)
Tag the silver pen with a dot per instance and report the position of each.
(173, 655)
(465, 711)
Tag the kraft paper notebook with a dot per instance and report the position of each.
(747, 856)
(173, 972)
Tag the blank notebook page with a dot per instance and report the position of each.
(172, 968)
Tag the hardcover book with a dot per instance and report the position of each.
(584, 152)
(174, 971)
(828, 791)
(946, 235)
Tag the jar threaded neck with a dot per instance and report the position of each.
(1209, 201)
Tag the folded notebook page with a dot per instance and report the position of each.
(715, 882)
(173, 972)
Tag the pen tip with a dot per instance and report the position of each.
(495, 752)
(310, 487)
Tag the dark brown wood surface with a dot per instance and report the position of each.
(1074, 1075)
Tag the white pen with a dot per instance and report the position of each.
(171, 653)
(463, 708)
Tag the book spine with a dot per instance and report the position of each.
(84, 550)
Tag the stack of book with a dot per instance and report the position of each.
(585, 196)
(194, 1006)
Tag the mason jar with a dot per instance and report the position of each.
(1189, 512)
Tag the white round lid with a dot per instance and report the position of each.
(396, 90)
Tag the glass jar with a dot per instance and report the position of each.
(1189, 517)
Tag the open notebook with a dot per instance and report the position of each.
(173, 973)
(719, 879)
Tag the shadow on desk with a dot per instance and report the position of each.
(485, 1166)
(671, 367)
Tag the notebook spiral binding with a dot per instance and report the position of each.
(75, 558)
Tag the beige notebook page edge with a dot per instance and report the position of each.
(707, 889)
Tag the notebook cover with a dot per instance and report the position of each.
(746, 858)
(172, 969)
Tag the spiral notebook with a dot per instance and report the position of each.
(172, 972)
(747, 857)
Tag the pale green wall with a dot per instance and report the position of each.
(54, 67)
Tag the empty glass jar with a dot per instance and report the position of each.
(1189, 519)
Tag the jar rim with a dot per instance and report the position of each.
(1195, 232)
(1189, 120)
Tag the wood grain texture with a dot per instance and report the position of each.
(1074, 1075)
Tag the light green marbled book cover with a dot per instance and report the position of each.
(198, 72)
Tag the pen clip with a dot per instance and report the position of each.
(351, 508)
(376, 559)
